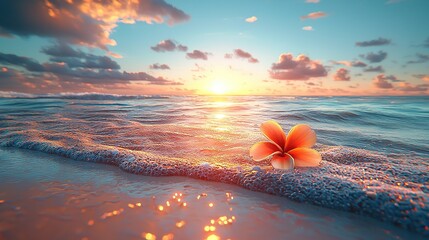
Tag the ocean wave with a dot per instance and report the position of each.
(80, 96)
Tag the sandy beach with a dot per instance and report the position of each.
(49, 197)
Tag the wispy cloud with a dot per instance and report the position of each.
(423, 77)
(420, 58)
(314, 15)
(308, 28)
(394, 1)
(350, 63)
(157, 66)
(375, 42)
(299, 68)
(251, 19)
(408, 87)
(312, 1)
(379, 69)
(426, 43)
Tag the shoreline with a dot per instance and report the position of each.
(53, 191)
(351, 180)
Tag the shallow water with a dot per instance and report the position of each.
(374, 149)
(48, 197)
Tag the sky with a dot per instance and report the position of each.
(187, 47)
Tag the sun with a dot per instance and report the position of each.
(218, 88)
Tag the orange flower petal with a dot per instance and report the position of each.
(283, 162)
(263, 150)
(305, 157)
(300, 136)
(273, 131)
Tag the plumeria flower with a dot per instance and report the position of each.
(287, 151)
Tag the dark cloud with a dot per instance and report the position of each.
(197, 54)
(62, 72)
(169, 46)
(62, 52)
(375, 57)
(27, 63)
(380, 81)
(375, 42)
(299, 68)
(379, 69)
(421, 58)
(158, 66)
(342, 74)
(81, 22)
(393, 78)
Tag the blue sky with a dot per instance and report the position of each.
(220, 27)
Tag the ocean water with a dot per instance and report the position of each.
(375, 150)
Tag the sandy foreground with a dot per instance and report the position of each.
(44, 196)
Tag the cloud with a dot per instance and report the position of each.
(253, 60)
(312, 1)
(424, 77)
(89, 61)
(421, 58)
(197, 54)
(239, 53)
(251, 19)
(350, 63)
(27, 63)
(88, 22)
(408, 87)
(375, 42)
(308, 28)
(393, 1)
(158, 66)
(36, 74)
(379, 69)
(169, 46)
(299, 68)
(380, 81)
(426, 43)
(63, 53)
(393, 78)
(342, 74)
(314, 15)
(375, 57)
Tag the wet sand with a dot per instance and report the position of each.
(44, 196)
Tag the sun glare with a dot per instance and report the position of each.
(218, 87)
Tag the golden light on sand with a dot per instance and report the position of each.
(213, 237)
(148, 236)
